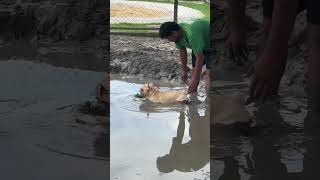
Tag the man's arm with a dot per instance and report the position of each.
(198, 67)
(176, 141)
(181, 128)
(183, 60)
(283, 19)
(237, 14)
(193, 86)
(271, 65)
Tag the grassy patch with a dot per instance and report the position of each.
(134, 25)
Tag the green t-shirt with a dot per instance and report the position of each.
(196, 36)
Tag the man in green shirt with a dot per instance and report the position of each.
(195, 36)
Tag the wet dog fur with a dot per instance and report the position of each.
(153, 94)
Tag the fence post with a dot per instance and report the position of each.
(175, 11)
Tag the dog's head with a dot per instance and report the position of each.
(146, 89)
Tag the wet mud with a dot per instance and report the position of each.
(279, 146)
(52, 55)
(145, 57)
(165, 141)
(43, 127)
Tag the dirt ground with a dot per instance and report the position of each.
(294, 78)
(36, 29)
(127, 11)
(147, 57)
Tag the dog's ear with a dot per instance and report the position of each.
(151, 84)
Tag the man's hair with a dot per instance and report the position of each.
(167, 28)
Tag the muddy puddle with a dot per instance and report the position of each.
(152, 141)
(278, 149)
(42, 133)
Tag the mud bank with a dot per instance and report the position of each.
(56, 32)
(57, 19)
(147, 57)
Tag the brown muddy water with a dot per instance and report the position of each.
(42, 133)
(158, 142)
(278, 148)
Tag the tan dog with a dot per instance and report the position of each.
(153, 94)
(228, 110)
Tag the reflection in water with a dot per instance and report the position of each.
(192, 155)
(231, 169)
(100, 145)
(282, 146)
(155, 141)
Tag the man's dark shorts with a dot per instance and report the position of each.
(312, 7)
(207, 59)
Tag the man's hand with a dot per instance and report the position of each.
(268, 70)
(184, 76)
(193, 86)
(237, 45)
(266, 76)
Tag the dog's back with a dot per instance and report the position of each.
(171, 97)
(155, 95)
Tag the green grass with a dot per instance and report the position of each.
(134, 25)
(138, 28)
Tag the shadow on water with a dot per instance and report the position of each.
(278, 148)
(153, 141)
